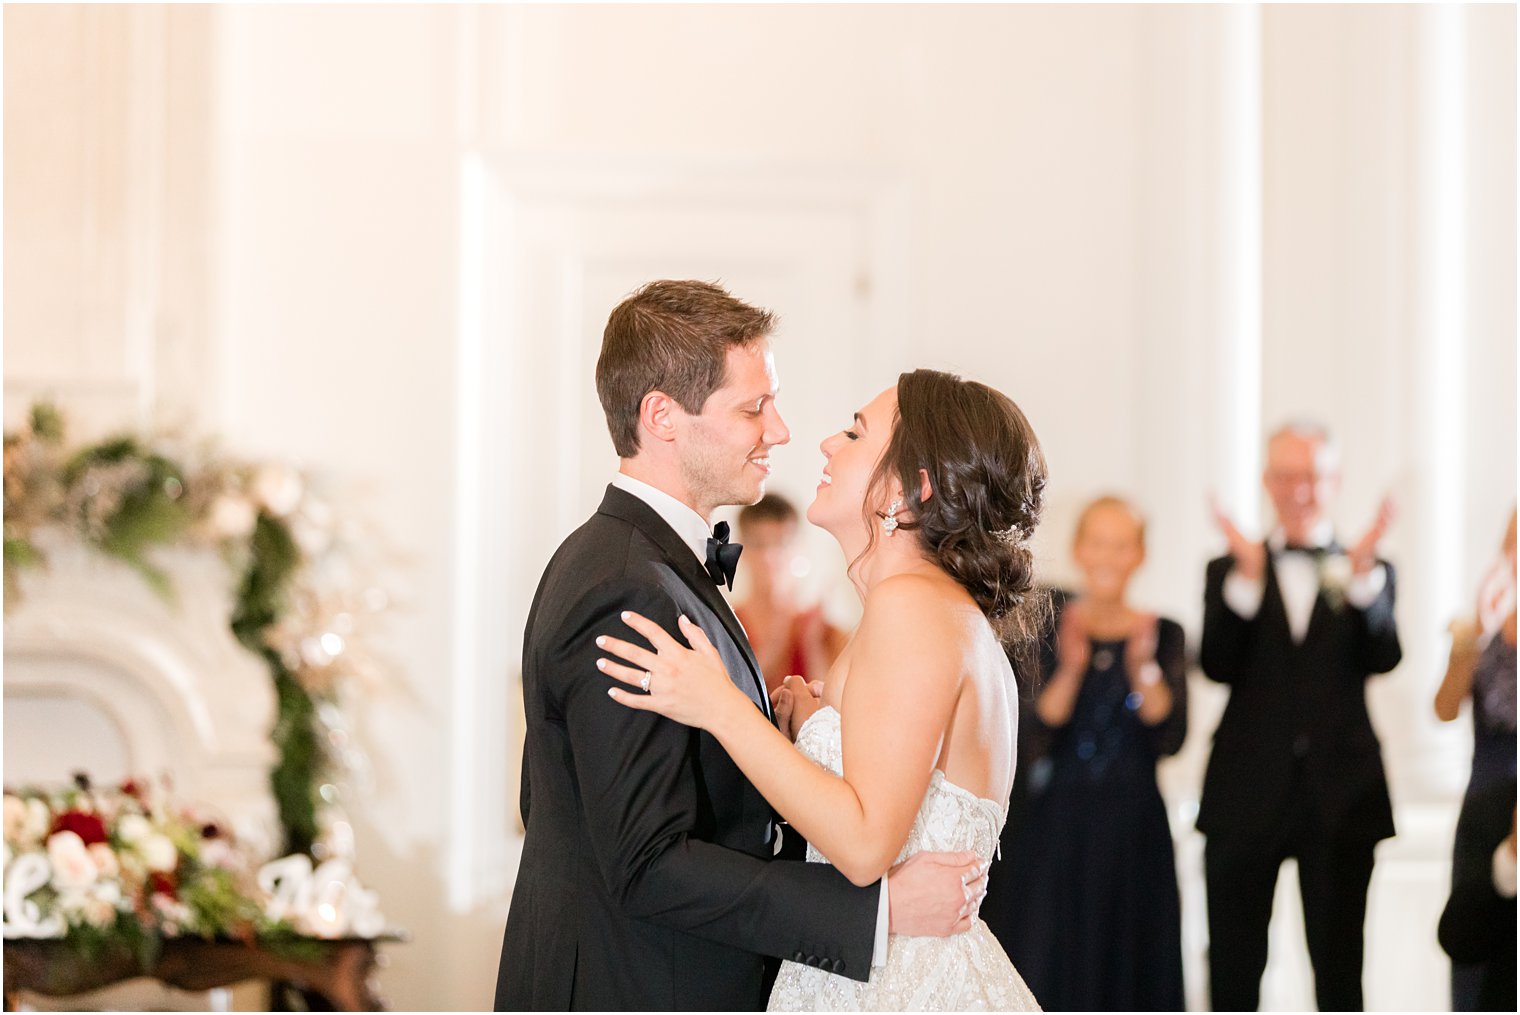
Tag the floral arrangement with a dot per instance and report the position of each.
(1335, 575)
(131, 866)
(295, 605)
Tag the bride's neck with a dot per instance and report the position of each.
(892, 555)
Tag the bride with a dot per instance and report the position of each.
(932, 493)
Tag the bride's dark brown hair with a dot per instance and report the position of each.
(987, 481)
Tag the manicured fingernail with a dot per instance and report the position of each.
(601, 664)
(684, 620)
(612, 692)
(625, 614)
(601, 640)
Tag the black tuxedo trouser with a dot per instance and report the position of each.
(1241, 878)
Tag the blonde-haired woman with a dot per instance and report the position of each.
(1085, 900)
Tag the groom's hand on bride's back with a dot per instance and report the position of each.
(936, 894)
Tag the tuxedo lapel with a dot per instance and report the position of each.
(1318, 616)
(621, 504)
(1273, 606)
(1323, 611)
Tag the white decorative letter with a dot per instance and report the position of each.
(23, 918)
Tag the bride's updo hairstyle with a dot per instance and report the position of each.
(987, 477)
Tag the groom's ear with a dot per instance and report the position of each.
(657, 416)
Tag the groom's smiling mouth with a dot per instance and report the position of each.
(763, 462)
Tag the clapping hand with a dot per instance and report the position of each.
(1364, 554)
(1250, 556)
(1072, 645)
(1140, 653)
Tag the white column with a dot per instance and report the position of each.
(1238, 445)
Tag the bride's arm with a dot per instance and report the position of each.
(901, 690)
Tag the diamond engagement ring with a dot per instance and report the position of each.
(644, 683)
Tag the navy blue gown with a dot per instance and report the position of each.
(1084, 898)
(1493, 715)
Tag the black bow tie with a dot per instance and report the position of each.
(722, 556)
(1313, 551)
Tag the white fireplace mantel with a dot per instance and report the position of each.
(92, 653)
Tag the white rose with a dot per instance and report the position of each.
(133, 870)
(159, 853)
(72, 867)
(15, 818)
(174, 915)
(71, 903)
(233, 517)
(104, 858)
(278, 489)
(220, 854)
(100, 907)
(133, 828)
(38, 820)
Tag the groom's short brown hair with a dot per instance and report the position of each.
(672, 337)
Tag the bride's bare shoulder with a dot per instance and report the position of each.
(916, 607)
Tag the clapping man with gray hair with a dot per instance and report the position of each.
(1295, 625)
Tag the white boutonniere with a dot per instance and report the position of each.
(1335, 574)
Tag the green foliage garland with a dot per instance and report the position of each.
(125, 499)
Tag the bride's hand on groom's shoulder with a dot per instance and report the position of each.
(689, 685)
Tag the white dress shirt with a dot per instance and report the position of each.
(1298, 581)
(694, 531)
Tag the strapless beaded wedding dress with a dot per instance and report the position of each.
(964, 972)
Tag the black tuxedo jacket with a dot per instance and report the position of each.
(647, 879)
(1295, 711)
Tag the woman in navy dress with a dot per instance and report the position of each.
(1482, 666)
(1084, 899)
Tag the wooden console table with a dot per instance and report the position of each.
(338, 971)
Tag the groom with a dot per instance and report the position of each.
(647, 879)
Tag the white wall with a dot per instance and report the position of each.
(381, 241)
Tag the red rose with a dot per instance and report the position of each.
(132, 789)
(160, 883)
(87, 826)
